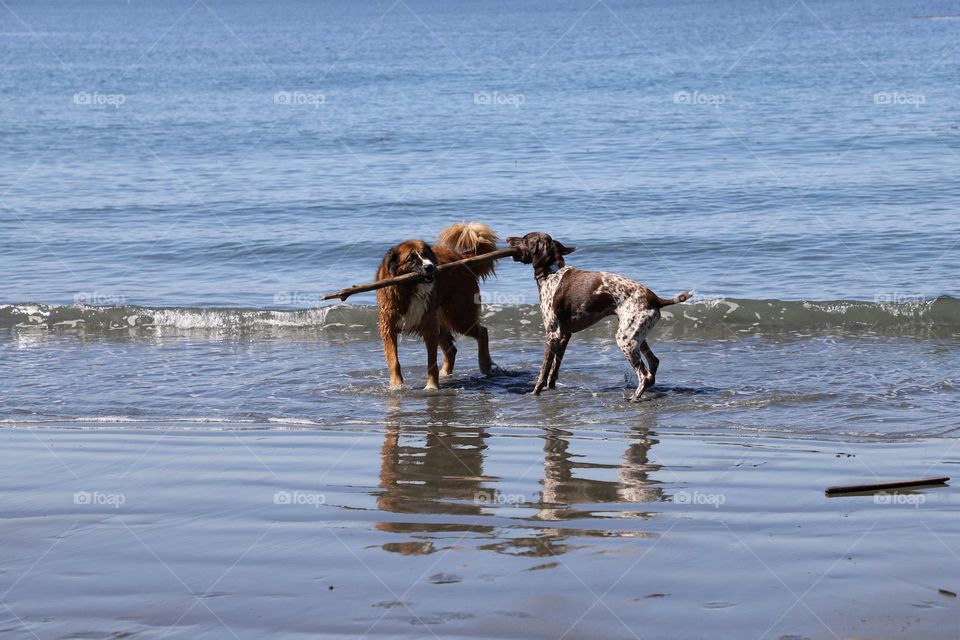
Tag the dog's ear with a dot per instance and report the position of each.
(564, 251)
(557, 251)
(391, 259)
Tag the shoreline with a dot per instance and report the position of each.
(470, 532)
(282, 425)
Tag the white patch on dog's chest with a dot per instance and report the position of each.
(548, 291)
(419, 303)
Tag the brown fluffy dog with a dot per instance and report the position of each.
(444, 304)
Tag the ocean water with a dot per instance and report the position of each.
(181, 181)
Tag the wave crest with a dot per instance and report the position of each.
(699, 319)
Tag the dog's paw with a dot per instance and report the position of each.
(431, 387)
(494, 370)
(445, 373)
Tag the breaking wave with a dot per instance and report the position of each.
(701, 319)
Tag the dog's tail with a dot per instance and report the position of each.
(471, 239)
(677, 299)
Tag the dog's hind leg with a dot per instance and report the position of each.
(557, 358)
(630, 342)
(652, 361)
(449, 353)
(479, 333)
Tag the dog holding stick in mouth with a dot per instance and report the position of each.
(441, 304)
(572, 300)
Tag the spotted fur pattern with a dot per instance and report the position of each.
(572, 300)
(548, 290)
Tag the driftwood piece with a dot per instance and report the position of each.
(409, 278)
(880, 486)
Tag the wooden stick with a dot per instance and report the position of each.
(409, 278)
(343, 294)
(900, 484)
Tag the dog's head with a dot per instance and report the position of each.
(412, 256)
(540, 250)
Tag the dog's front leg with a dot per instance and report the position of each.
(557, 359)
(549, 352)
(432, 340)
(393, 362)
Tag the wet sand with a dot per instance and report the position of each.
(451, 532)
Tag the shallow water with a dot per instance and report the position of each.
(836, 368)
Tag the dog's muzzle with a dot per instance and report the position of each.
(523, 255)
(428, 272)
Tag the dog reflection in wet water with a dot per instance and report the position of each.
(572, 300)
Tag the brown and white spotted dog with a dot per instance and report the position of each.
(572, 300)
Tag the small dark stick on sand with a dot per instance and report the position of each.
(409, 278)
(880, 486)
